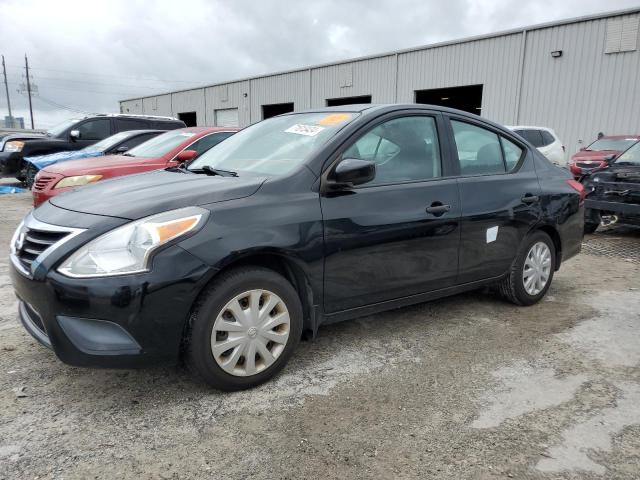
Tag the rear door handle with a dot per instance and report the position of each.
(530, 199)
(437, 208)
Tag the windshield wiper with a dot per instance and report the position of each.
(216, 171)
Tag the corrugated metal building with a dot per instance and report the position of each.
(578, 76)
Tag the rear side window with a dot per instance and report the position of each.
(482, 152)
(125, 124)
(512, 153)
(547, 138)
(479, 150)
(534, 137)
(95, 129)
(403, 149)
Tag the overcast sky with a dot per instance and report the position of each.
(87, 55)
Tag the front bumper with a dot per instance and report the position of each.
(115, 322)
(626, 209)
(10, 163)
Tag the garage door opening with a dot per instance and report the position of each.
(467, 98)
(269, 111)
(334, 102)
(190, 119)
(226, 117)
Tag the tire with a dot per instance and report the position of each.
(213, 312)
(590, 227)
(591, 220)
(512, 287)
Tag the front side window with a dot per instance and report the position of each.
(205, 143)
(403, 149)
(160, 145)
(107, 143)
(95, 129)
(275, 146)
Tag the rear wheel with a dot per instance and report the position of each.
(531, 272)
(244, 329)
(591, 220)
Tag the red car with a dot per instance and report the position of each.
(167, 150)
(594, 157)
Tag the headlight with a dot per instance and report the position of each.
(128, 249)
(14, 146)
(77, 181)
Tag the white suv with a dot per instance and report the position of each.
(545, 140)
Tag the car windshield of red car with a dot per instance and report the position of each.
(611, 144)
(158, 146)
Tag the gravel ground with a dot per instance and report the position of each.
(465, 387)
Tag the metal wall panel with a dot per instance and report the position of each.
(159, 105)
(229, 95)
(131, 106)
(286, 88)
(583, 92)
(375, 77)
(190, 101)
(492, 62)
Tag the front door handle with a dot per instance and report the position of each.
(528, 199)
(437, 208)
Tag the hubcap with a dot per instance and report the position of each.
(537, 268)
(250, 333)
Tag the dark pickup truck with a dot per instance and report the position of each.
(613, 194)
(75, 134)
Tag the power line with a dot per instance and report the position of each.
(112, 76)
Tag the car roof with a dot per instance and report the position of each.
(619, 137)
(527, 127)
(205, 129)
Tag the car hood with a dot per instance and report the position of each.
(595, 155)
(92, 166)
(42, 161)
(137, 196)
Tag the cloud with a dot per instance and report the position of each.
(90, 55)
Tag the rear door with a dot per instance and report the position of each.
(385, 240)
(499, 194)
(92, 131)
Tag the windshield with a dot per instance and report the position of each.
(160, 145)
(611, 144)
(107, 143)
(275, 146)
(630, 157)
(61, 127)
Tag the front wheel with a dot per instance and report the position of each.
(531, 272)
(243, 329)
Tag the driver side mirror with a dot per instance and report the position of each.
(74, 134)
(186, 156)
(353, 171)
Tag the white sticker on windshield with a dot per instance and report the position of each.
(187, 134)
(308, 130)
(492, 234)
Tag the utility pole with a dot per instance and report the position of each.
(26, 67)
(6, 89)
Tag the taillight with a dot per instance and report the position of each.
(578, 187)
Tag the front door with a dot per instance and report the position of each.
(397, 235)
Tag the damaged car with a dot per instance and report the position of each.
(613, 194)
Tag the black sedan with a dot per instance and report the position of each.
(297, 221)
